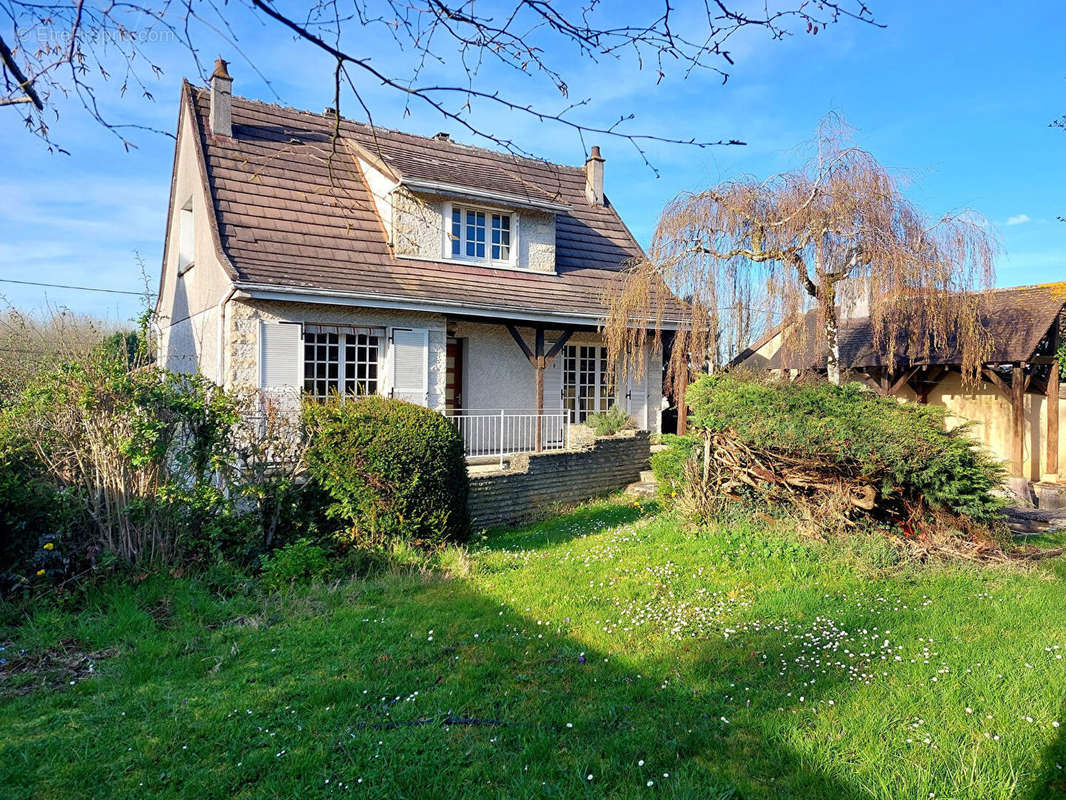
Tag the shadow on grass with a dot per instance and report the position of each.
(582, 521)
(1052, 782)
(436, 691)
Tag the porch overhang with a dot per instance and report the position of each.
(494, 313)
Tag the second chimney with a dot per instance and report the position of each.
(594, 177)
(221, 100)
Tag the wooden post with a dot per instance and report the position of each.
(682, 407)
(539, 365)
(1017, 431)
(540, 361)
(1051, 466)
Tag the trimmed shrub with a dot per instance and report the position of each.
(395, 471)
(902, 448)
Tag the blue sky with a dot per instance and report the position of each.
(956, 96)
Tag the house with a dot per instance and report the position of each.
(1016, 411)
(463, 279)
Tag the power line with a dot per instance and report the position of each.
(80, 288)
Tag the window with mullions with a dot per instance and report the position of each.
(480, 235)
(340, 363)
(586, 381)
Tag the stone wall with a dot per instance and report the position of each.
(418, 225)
(539, 482)
(244, 317)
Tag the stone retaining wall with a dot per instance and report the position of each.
(537, 483)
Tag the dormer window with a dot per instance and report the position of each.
(478, 234)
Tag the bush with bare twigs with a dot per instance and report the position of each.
(153, 468)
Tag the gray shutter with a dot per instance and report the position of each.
(410, 364)
(280, 345)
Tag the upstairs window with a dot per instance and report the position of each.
(480, 235)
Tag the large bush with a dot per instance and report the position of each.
(395, 471)
(902, 449)
(140, 449)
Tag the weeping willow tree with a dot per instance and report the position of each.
(834, 234)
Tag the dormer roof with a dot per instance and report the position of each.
(294, 211)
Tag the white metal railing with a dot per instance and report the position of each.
(506, 432)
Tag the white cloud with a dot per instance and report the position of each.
(1018, 219)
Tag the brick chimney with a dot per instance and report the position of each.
(221, 100)
(594, 177)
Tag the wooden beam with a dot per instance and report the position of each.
(560, 343)
(521, 342)
(906, 376)
(998, 382)
(884, 380)
(1051, 461)
(1017, 407)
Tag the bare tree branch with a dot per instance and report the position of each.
(61, 48)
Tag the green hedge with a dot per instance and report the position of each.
(903, 446)
(394, 470)
(668, 465)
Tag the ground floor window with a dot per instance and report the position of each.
(340, 362)
(586, 381)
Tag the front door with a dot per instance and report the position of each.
(453, 375)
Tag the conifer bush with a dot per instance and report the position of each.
(802, 441)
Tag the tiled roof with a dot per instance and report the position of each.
(294, 213)
(1017, 318)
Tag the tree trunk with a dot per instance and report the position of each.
(832, 329)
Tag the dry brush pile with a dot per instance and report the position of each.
(839, 458)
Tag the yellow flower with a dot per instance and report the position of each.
(40, 572)
(49, 546)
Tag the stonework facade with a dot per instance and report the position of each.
(244, 318)
(419, 228)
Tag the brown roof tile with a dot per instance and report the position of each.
(294, 212)
(1017, 318)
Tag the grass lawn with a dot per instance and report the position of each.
(606, 653)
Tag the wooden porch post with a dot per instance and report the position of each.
(1017, 406)
(539, 365)
(540, 361)
(1051, 465)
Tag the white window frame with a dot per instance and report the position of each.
(512, 258)
(339, 384)
(603, 389)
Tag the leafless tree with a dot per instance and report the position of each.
(822, 237)
(56, 48)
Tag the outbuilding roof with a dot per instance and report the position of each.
(1017, 318)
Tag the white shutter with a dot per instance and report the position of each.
(553, 380)
(410, 364)
(280, 350)
(637, 397)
